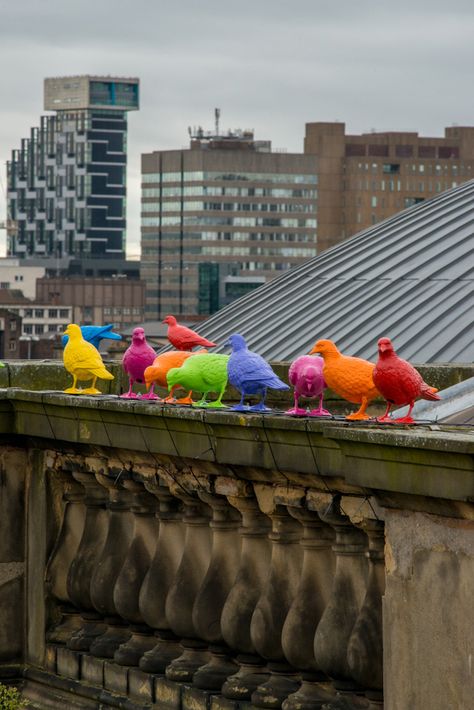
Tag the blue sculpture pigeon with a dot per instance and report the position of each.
(95, 333)
(250, 374)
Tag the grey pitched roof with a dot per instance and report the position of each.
(409, 278)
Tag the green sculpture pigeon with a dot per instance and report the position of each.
(203, 373)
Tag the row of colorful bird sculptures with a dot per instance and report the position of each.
(354, 379)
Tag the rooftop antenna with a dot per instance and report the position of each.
(217, 115)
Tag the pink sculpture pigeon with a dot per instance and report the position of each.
(136, 359)
(306, 376)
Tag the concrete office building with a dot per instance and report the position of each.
(221, 218)
(363, 179)
(67, 182)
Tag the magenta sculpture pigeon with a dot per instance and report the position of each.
(306, 376)
(136, 359)
(250, 374)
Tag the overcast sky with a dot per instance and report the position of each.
(271, 65)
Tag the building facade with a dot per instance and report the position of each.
(67, 181)
(363, 179)
(220, 219)
(96, 301)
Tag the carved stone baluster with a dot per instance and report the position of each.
(187, 582)
(242, 600)
(349, 587)
(273, 606)
(136, 565)
(307, 609)
(159, 579)
(83, 566)
(365, 651)
(110, 562)
(217, 584)
(62, 555)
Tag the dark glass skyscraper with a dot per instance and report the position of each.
(67, 182)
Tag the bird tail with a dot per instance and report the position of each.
(206, 343)
(102, 373)
(428, 392)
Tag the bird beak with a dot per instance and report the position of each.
(313, 350)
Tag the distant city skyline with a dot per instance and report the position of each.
(268, 67)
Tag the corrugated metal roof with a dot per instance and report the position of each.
(409, 278)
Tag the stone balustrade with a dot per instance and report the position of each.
(195, 559)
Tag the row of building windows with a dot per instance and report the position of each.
(196, 206)
(150, 246)
(122, 311)
(224, 191)
(407, 186)
(429, 168)
(248, 251)
(205, 176)
(40, 328)
(380, 150)
(231, 221)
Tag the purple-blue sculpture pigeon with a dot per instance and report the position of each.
(250, 374)
(306, 376)
(136, 359)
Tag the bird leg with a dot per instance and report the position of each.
(296, 411)
(241, 406)
(202, 402)
(92, 389)
(260, 406)
(360, 415)
(385, 419)
(74, 389)
(320, 411)
(408, 419)
(150, 394)
(218, 402)
(130, 394)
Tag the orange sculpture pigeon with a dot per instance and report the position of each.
(349, 377)
(156, 374)
(399, 382)
(183, 338)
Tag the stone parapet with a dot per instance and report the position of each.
(202, 559)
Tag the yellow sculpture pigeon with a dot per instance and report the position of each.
(83, 361)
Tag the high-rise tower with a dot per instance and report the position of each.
(67, 182)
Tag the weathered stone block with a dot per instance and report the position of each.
(141, 687)
(115, 678)
(168, 694)
(93, 670)
(50, 658)
(68, 663)
(195, 699)
(220, 703)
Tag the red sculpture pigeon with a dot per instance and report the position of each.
(398, 382)
(183, 338)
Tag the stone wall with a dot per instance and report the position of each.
(177, 558)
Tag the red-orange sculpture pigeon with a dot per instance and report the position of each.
(183, 338)
(398, 382)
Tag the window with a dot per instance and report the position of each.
(12, 345)
(39, 329)
(39, 313)
(4, 284)
(13, 325)
(53, 312)
(391, 168)
(107, 311)
(27, 329)
(64, 313)
(373, 201)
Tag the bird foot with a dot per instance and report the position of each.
(320, 412)
(201, 403)
(150, 395)
(91, 390)
(73, 390)
(404, 420)
(259, 408)
(356, 417)
(240, 408)
(215, 405)
(128, 395)
(184, 400)
(384, 420)
(296, 412)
